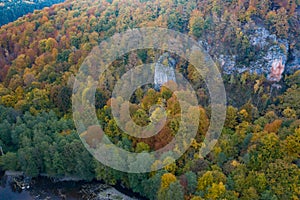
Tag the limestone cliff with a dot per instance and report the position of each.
(270, 55)
(164, 70)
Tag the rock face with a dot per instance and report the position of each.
(294, 63)
(271, 50)
(272, 55)
(276, 71)
(164, 70)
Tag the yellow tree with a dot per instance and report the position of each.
(167, 179)
(291, 145)
(215, 191)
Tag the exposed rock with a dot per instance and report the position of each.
(275, 86)
(294, 63)
(14, 173)
(164, 70)
(269, 50)
(262, 38)
(205, 45)
(227, 62)
(276, 71)
(113, 194)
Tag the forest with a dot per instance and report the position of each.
(258, 153)
(12, 10)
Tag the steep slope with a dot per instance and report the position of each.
(227, 33)
(12, 10)
(257, 155)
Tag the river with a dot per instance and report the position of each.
(43, 188)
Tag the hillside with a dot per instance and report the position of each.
(255, 44)
(12, 10)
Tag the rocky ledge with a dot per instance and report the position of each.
(273, 55)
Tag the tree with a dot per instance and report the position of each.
(283, 179)
(175, 22)
(50, 44)
(9, 161)
(231, 117)
(75, 41)
(135, 181)
(250, 194)
(197, 24)
(166, 93)
(141, 118)
(8, 100)
(291, 145)
(215, 191)
(39, 98)
(141, 146)
(278, 22)
(209, 178)
(268, 195)
(29, 161)
(149, 99)
(174, 191)
(61, 97)
(170, 164)
(166, 180)
(267, 151)
(21, 62)
(100, 99)
(152, 185)
(289, 113)
(5, 134)
(273, 127)
(28, 78)
(290, 99)
(191, 182)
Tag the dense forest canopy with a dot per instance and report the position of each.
(258, 153)
(12, 10)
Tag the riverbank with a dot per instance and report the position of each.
(42, 188)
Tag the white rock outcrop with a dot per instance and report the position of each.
(276, 71)
(164, 70)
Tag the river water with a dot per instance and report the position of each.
(43, 189)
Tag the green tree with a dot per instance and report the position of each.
(283, 179)
(174, 191)
(191, 182)
(9, 161)
(197, 24)
(175, 22)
